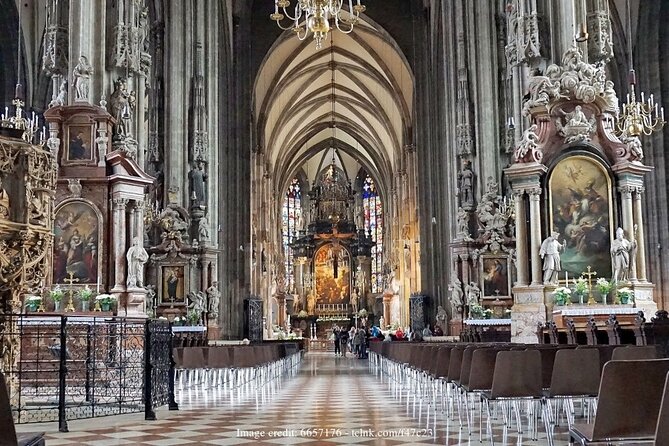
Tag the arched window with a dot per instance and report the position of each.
(290, 216)
(373, 211)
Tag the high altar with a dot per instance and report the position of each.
(576, 179)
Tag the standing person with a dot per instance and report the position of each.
(343, 334)
(351, 335)
(337, 339)
(356, 342)
(362, 342)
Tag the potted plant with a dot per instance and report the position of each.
(580, 289)
(604, 287)
(178, 321)
(33, 302)
(625, 296)
(56, 295)
(562, 295)
(476, 311)
(105, 301)
(85, 295)
(193, 317)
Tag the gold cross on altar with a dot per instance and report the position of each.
(589, 274)
(70, 281)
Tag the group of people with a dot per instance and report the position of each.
(354, 340)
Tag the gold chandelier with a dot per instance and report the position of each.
(637, 118)
(317, 14)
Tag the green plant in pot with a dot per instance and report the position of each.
(604, 287)
(85, 294)
(562, 295)
(193, 317)
(33, 302)
(625, 296)
(580, 289)
(105, 301)
(56, 296)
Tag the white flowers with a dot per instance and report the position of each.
(33, 299)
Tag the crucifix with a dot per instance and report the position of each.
(70, 281)
(589, 274)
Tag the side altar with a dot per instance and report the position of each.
(578, 183)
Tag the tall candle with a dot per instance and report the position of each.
(98, 287)
(566, 278)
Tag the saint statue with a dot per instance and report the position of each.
(550, 252)
(463, 223)
(137, 257)
(203, 229)
(82, 79)
(311, 303)
(456, 296)
(122, 102)
(197, 302)
(354, 300)
(466, 186)
(621, 252)
(441, 316)
(197, 178)
(473, 292)
(577, 118)
(4, 202)
(407, 258)
(214, 296)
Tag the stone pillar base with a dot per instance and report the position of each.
(528, 310)
(213, 330)
(643, 297)
(135, 304)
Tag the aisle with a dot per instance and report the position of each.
(329, 401)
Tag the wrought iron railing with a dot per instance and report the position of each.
(108, 366)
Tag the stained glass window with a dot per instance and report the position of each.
(373, 212)
(290, 218)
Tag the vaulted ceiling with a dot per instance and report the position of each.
(355, 93)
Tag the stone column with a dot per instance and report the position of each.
(142, 130)
(387, 311)
(628, 222)
(535, 235)
(521, 239)
(281, 300)
(132, 222)
(119, 243)
(139, 221)
(640, 236)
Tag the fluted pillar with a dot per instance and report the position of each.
(640, 236)
(535, 235)
(139, 221)
(628, 222)
(119, 242)
(521, 240)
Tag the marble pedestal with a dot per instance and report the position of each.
(528, 310)
(135, 303)
(643, 298)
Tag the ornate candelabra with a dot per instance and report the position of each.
(19, 125)
(637, 118)
(317, 14)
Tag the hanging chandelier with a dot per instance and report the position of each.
(318, 15)
(637, 118)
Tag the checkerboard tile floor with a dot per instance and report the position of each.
(330, 401)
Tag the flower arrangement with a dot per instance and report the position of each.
(32, 302)
(178, 321)
(562, 295)
(604, 287)
(302, 313)
(580, 288)
(193, 317)
(362, 313)
(105, 301)
(56, 294)
(476, 311)
(85, 294)
(625, 295)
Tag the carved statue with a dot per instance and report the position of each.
(122, 102)
(473, 293)
(197, 301)
(60, 99)
(4, 202)
(407, 258)
(550, 253)
(137, 257)
(463, 223)
(311, 303)
(37, 208)
(466, 186)
(354, 300)
(148, 299)
(203, 229)
(456, 296)
(441, 316)
(529, 143)
(82, 79)
(621, 250)
(197, 178)
(214, 296)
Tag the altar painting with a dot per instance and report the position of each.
(332, 267)
(581, 212)
(76, 244)
(495, 277)
(173, 284)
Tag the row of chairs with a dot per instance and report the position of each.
(548, 379)
(233, 365)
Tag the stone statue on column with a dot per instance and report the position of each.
(622, 251)
(137, 257)
(214, 296)
(466, 186)
(203, 230)
(550, 253)
(456, 297)
(122, 103)
(197, 178)
(82, 80)
(473, 292)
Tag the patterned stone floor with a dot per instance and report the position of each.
(329, 401)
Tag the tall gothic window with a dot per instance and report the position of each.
(291, 215)
(371, 204)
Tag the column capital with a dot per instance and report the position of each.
(139, 204)
(534, 193)
(639, 192)
(120, 203)
(626, 191)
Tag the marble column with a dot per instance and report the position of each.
(387, 310)
(142, 129)
(521, 240)
(139, 221)
(628, 222)
(132, 222)
(119, 242)
(640, 236)
(535, 235)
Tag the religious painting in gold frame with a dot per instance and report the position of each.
(332, 267)
(581, 211)
(172, 284)
(495, 277)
